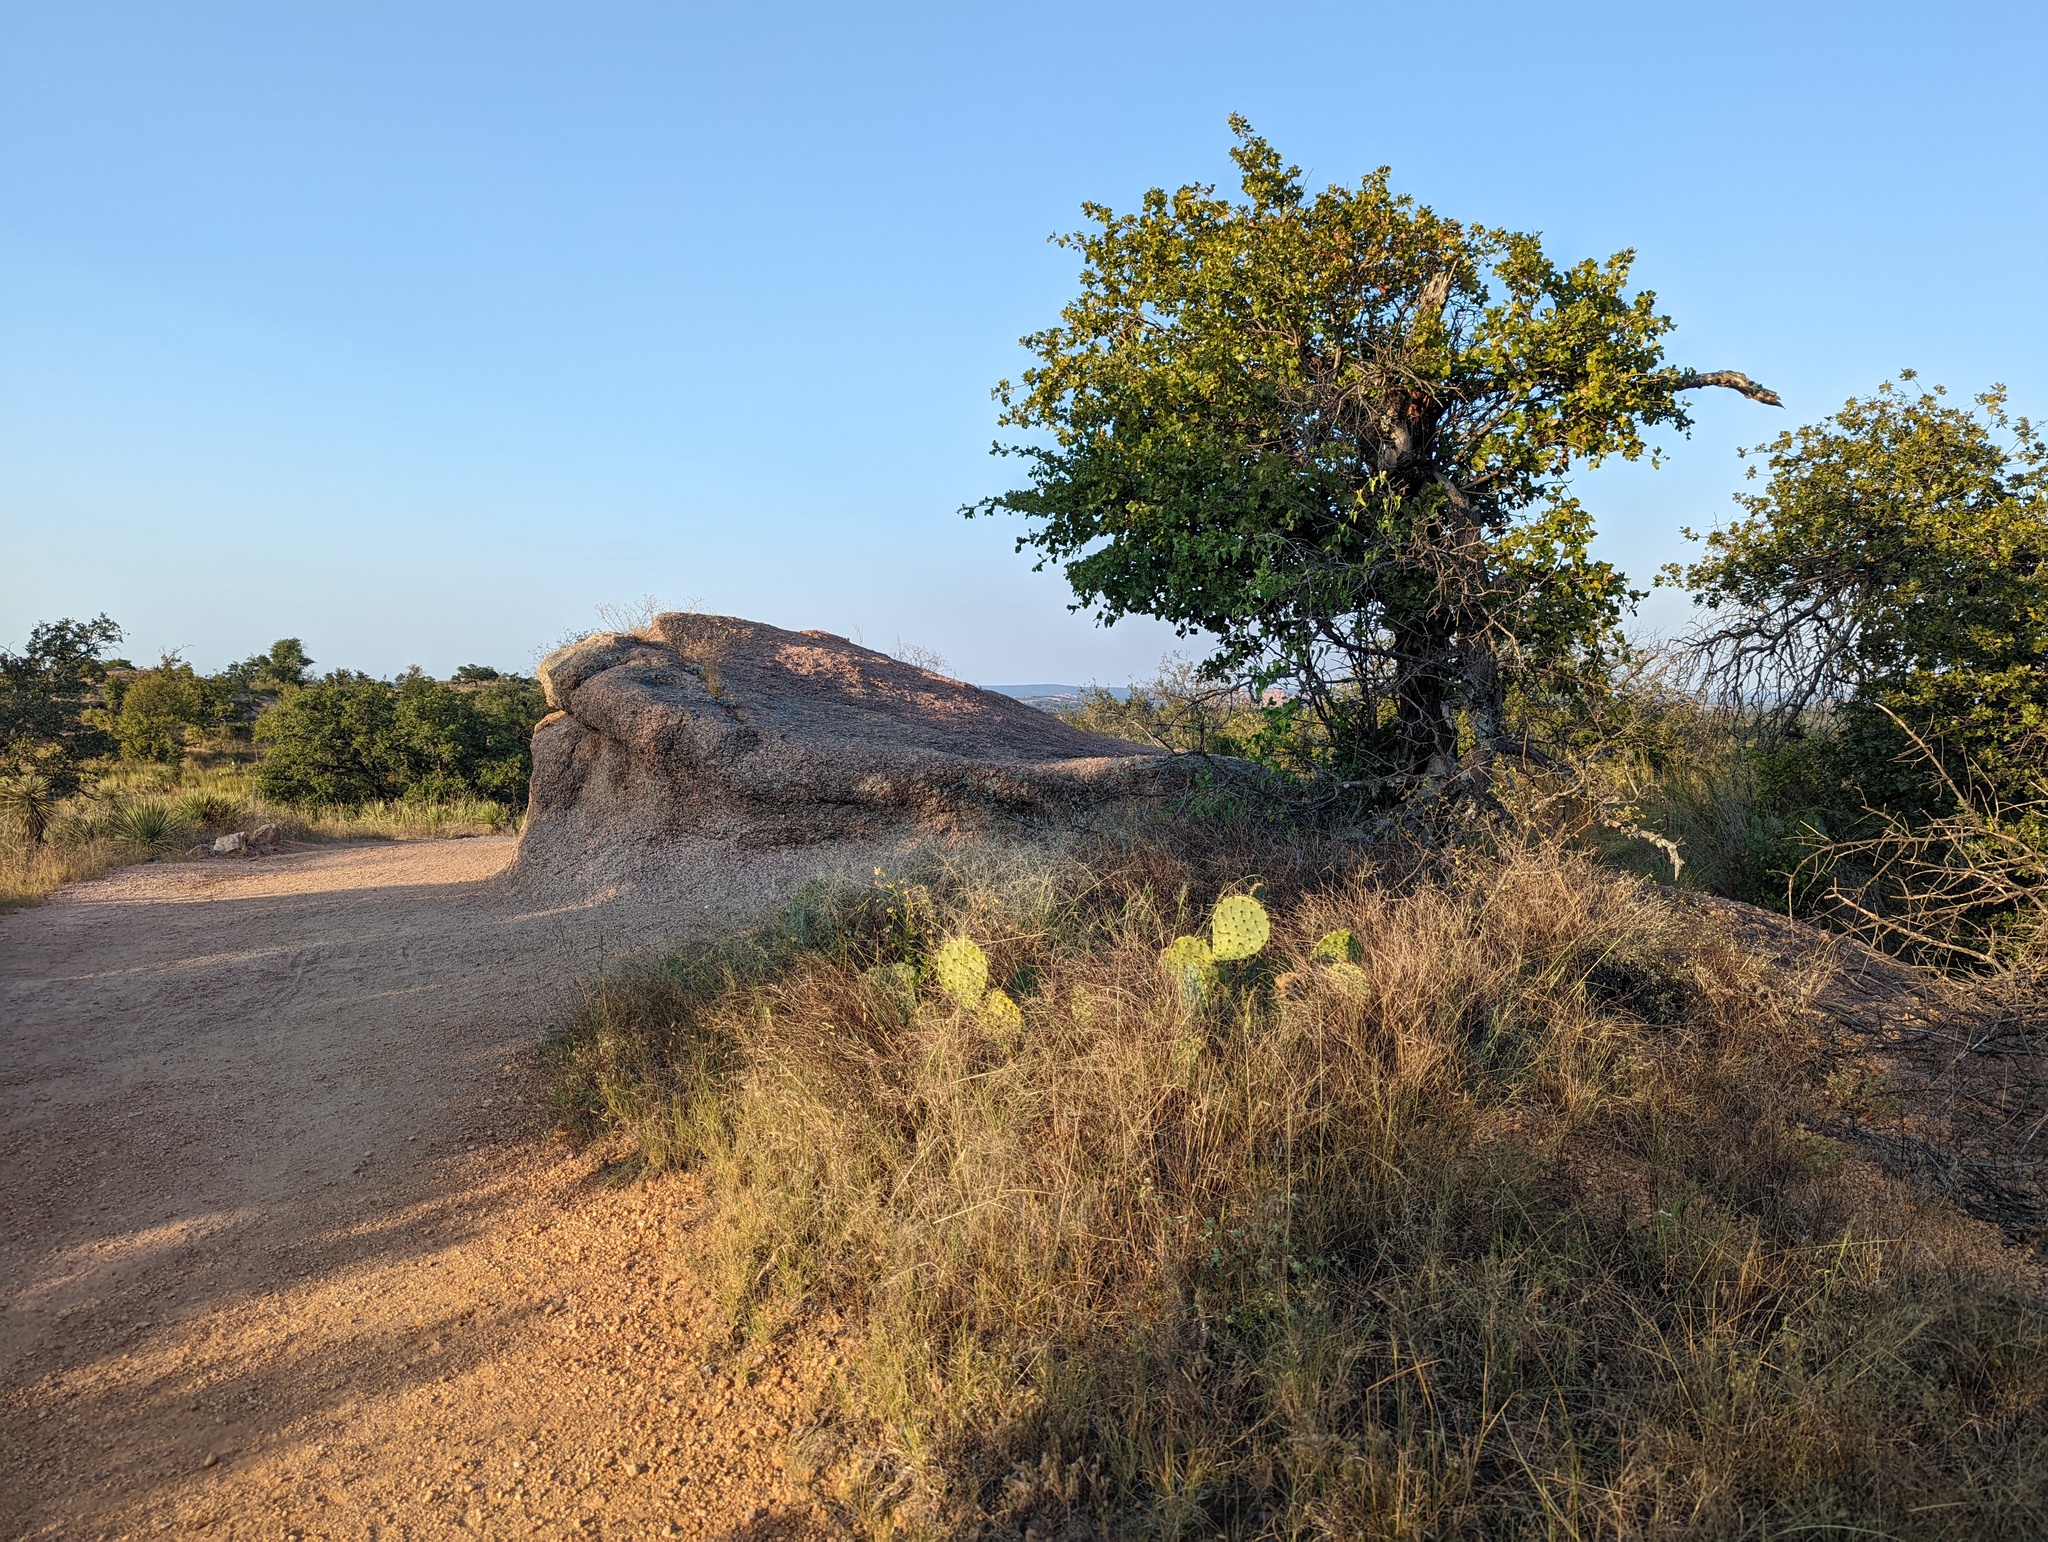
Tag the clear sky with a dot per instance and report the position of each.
(418, 330)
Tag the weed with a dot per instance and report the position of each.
(407, 819)
(701, 642)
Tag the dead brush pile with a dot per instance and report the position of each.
(1515, 1228)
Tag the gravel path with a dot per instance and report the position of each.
(287, 1252)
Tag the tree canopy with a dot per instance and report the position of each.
(349, 739)
(1892, 570)
(1333, 431)
(286, 664)
(47, 689)
(150, 711)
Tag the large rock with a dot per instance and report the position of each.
(707, 736)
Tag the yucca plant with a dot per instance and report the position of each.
(28, 801)
(211, 809)
(150, 825)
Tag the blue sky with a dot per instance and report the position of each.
(420, 330)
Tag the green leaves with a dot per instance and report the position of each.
(47, 689)
(1896, 557)
(151, 711)
(349, 739)
(1328, 431)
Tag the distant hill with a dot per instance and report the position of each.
(1046, 695)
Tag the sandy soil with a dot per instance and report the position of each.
(287, 1252)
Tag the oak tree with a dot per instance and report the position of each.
(1332, 431)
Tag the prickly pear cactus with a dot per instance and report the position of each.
(1334, 948)
(896, 984)
(1349, 979)
(961, 969)
(1191, 964)
(1002, 1019)
(1239, 926)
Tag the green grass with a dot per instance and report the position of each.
(1526, 1235)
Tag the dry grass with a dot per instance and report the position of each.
(1519, 1233)
(144, 814)
(29, 873)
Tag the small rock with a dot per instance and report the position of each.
(211, 1460)
(266, 838)
(229, 845)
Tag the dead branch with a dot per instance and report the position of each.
(1731, 379)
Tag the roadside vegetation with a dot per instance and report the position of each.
(103, 762)
(1506, 1213)
(1514, 1187)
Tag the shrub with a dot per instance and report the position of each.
(1891, 580)
(149, 825)
(330, 742)
(152, 712)
(1513, 1226)
(350, 740)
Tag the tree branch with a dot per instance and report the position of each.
(1733, 379)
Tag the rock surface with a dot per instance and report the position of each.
(261, 841)
(712, 734)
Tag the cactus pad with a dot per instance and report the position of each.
(1334, 948)
(961, 969)
(1002, 1019)
(1349, 979)
(1239, 926)
(895, 984)
(1191, 965)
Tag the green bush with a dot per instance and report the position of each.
(1890, 580)
(350, 739)
(152, 712)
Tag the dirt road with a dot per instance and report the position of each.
(286, 1251)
